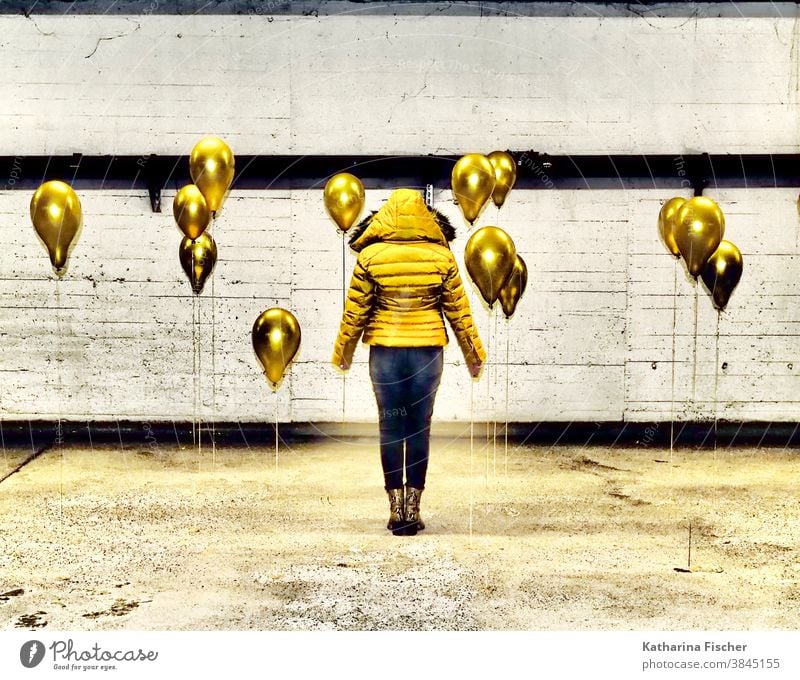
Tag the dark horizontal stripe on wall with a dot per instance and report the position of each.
(643, 8)
(535, 171)
(152, 436)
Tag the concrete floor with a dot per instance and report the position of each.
(163, 538)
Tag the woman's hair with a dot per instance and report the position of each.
(448, 230)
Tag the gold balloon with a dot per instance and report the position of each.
(344, 199)
(276, 337)
(513, 289)
(505, 175)
(698, 228)
(211, 165)
(490, 256)
(473, 182)
(198, 258)
(56, 216)
(666, 223)
(721, 273)
(191, 211)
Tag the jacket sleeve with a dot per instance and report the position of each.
(356, 313)
(455, 306)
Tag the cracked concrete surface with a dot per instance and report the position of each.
(136, 27)
(575, 538)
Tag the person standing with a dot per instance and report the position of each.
(404, 280)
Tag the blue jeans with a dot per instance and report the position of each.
(405, 380)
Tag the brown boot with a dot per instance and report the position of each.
(413, 521)
(396, 512)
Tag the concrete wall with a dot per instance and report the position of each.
(414, 84)
(593, 337)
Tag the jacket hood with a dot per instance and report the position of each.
(404, 217)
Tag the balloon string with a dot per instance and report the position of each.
(276, 430)
(494, 409)
(496, 367)
(489, 344)
(472, 301)
(694, 358)
(194, 365)
(344, 274)
(59, 438)
(508, 339)
(471, 449)
(344, 301)
(213, 375)
(199, 400)
(672, 398)
(716, 382)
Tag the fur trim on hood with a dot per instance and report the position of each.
(448, 230)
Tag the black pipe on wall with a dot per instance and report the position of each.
(535, 170)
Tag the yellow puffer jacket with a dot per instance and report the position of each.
(404, 279)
